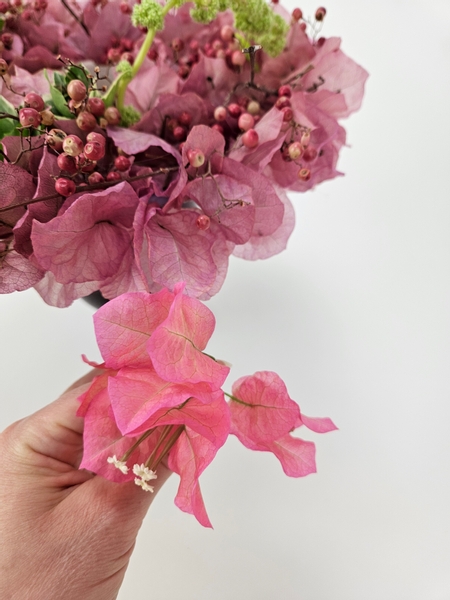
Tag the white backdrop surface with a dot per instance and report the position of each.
(354, 316)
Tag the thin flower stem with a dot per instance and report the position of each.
(88, 188)
(164, 434)
(5, 115)
(170, 443)
(75, 16)
(235, 399)
(138, 61)
(245, 403)
(139, 441)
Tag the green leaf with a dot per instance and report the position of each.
(60, 81)
(7, 126)
(110, 95)
(75, 72)
(60, 103)
(6, 106)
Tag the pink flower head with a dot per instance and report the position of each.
(158, 393)
(91, 240)
(176, 347)
(263, 416)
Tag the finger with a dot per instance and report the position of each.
(125, 502)
(54, 433)
(85, 379)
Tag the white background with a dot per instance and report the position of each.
(354, 316)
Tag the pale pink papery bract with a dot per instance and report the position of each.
(176, 345)
(138, 394)
(91, 240)
(263, 417)
(124, 325)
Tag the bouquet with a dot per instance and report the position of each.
(143, 143)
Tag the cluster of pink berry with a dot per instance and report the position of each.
(78, 159)
(195, 142)
(90, 111)
(27, 10)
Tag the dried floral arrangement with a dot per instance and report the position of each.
(143, 143)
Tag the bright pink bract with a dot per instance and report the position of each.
(152, 389)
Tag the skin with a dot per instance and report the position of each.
(64, 533)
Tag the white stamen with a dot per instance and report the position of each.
(119, 464)
(144, 485)
(144, 472)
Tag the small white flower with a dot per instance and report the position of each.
(144, 472)
(144, 485)
(119, 464)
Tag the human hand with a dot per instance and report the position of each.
(66, 534)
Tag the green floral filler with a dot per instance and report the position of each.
(125, 67)
(129, 116)
(149, 14)
(254, 19)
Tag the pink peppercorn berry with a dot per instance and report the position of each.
(95, 177)
(309, 154)
(96, 137)
(72, 145)
(295, 150)
(288, 114)
(185, 119)
(29, 117)
(122, 163)
(65, 187)
(86, 121)
(96, 106)
(246, 121)
(220, 113)
(196, 158)
(234, 110)
(76, 90)
(94, 150)
(250, 139)
(112, 115)
(282, 102)
(33, 100)
(304, 174)
(125, 8)
(253, 107)
(285, 90)
(47, 118)
(67, 163)
(203, 222)
(55, 139)
(113, 176)
(179, 133)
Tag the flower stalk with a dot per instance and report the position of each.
(125, 80)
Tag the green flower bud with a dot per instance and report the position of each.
(148, 14)
(205, 11)
(129, 116)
